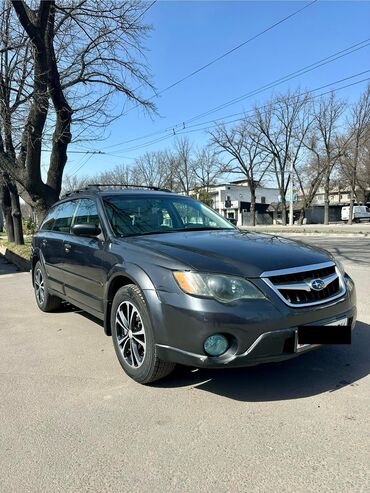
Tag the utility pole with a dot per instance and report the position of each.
(291, 195)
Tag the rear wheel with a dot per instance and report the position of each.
(133, 337)
(45, 301)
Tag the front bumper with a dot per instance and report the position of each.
(260, 331)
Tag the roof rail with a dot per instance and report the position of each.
(98, 186)
(126, 185)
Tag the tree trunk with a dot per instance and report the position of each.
(326, 199)
(351, 204)
(353, 183)
(252, 212)
(302, 215)
(283, 209)
(16, 213)
(7, 210)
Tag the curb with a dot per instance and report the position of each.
(23, 264)
(345, 234)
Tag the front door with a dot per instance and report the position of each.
(86, 261)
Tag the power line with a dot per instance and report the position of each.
(292, 75)
(145, 11)
(202, 129)
(220, 57)
(238, 119)
(214, 122)
(77, 152)
(82, 165)
(308, 68)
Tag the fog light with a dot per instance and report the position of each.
(216, 345)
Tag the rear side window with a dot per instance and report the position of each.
(86, 213)
(63, 217)
(49, 220)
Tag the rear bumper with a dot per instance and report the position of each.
(261, 331)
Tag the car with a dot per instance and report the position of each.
(176, 283)
(360, 213)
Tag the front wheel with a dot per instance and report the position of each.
(133, 337)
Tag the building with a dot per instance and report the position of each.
(337, 199)
(232, 200)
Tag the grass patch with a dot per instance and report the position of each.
(23, 251)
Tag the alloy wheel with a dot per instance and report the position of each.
(130, 334)
(39, 287)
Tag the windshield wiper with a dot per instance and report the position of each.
(202, 228)
(139, 233)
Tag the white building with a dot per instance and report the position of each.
(232, 200)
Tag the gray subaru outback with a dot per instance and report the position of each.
(174, 282)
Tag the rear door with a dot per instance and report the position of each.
(86, 261)
(56, 225)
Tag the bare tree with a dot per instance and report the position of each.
(208, 167)
(152, 169)
(6, 207)
(281, 127)
(327, 114)
(14, 55)
(363, 172)
(243, 145)
(310, 174)
(73, 182)
(118, 175)
(359, 124)
(183, 169)
(73, 58)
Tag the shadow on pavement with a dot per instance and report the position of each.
(7, 267)
(68, 307)
(326, 369)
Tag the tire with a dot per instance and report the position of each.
(45, 301)
(133, 337)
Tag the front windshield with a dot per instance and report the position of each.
(138, 215)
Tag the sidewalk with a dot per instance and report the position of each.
(314, 229)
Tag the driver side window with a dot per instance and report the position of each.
(86, 213)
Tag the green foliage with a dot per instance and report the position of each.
(29, 226)
(203, 195)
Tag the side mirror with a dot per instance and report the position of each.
(87, 229)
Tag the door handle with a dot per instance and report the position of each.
(67, 247)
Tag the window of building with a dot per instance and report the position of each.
(263, 200)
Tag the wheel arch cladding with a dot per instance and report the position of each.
(132, 275)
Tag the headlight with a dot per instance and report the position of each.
(221, 287)
(340, 266)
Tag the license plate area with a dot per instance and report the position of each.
(337, 332)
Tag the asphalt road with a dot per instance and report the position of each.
(71, 421)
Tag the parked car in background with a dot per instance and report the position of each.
(360, 213)
(174, 282)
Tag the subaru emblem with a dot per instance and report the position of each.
(317, 284)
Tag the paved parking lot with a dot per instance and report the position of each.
(70, 420)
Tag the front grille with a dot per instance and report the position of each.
(294, 286)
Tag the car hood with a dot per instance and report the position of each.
(232, 252)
